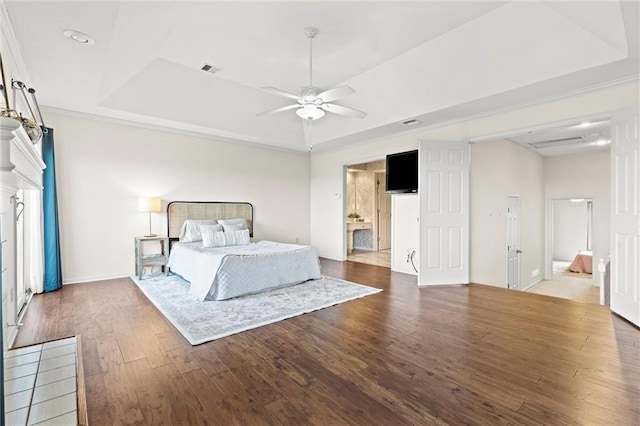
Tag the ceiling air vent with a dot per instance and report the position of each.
(211, 69)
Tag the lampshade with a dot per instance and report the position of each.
(149, 204)
(310, 112)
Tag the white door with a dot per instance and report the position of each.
(513, 242)
(384, 214)
(444, 213)
(625, 217)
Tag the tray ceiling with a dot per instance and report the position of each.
(433, 61)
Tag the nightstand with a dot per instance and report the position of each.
(151, 259)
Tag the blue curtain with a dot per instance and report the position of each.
(52, 263)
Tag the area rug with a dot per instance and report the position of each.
(201, 322)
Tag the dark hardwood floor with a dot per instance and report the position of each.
(451, 355)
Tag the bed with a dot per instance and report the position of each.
(220, 273)
(583, 262)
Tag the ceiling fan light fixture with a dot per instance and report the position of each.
(310, 112)
(312, 102)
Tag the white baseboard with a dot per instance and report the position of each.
(532, 284)
(402, 271)
(83, 280)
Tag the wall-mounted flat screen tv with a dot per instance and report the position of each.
(402, 172)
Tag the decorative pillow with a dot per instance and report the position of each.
(236, 227)
(190, 230)
(242, 237)
(208, 232)
(223, 239)
(237, 221)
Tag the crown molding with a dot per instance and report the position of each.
(12, 41)
(167, 129)
(332, 147)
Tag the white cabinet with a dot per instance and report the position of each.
(354, 226)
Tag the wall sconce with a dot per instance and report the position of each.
(149, 205)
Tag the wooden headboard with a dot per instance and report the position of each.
(179, 211)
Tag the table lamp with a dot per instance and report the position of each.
(149, 205)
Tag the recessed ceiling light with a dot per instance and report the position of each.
(602, 142)
(79, 37)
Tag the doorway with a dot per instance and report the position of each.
(383, 205)
(513, 242)
(569, 263)
(368, 214)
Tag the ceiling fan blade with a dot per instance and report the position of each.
(284, 108)
(279, 92)
(342, 110)
(336, 93)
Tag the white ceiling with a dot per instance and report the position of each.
(568, 138)
(434, 61)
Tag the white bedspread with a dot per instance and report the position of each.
(224, 272)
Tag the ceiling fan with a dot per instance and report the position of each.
(312, 102)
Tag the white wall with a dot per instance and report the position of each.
(499, 169)
(405, 213)
(102, 168)
(327, 188)
(586, 175)
(569, 229)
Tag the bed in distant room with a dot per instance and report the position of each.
(583, 262)
(211, 248)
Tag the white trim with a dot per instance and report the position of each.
(365, 160)
(532, 284)
(167, 129)
(84, 280)
(524, 130)
(24, 144)
(613, 83)
(519, 246)
(12, 41)
(20, 174)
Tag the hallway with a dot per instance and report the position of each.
(569, 285)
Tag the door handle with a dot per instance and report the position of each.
(518, 251)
